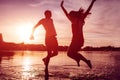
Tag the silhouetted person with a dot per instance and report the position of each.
(77, 19)
(50, 38)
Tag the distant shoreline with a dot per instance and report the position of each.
(41, 47)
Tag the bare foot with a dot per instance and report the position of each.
(89, 64)
(78, 63)
(44, 60)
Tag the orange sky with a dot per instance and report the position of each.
(18, 17)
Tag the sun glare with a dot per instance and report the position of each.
(24, 32)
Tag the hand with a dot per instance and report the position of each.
(62, 3)
(94, 0)
(31, 37)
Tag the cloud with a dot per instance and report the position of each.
(102, 23)
(107, 16)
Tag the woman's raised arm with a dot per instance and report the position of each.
(64, 10)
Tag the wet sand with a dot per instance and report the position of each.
(28, 65)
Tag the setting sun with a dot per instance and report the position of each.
(24, 32)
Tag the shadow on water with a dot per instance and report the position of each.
(7, 54)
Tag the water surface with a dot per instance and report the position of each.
(28, 65)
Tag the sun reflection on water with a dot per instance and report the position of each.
(27, 68)
(26, 64)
